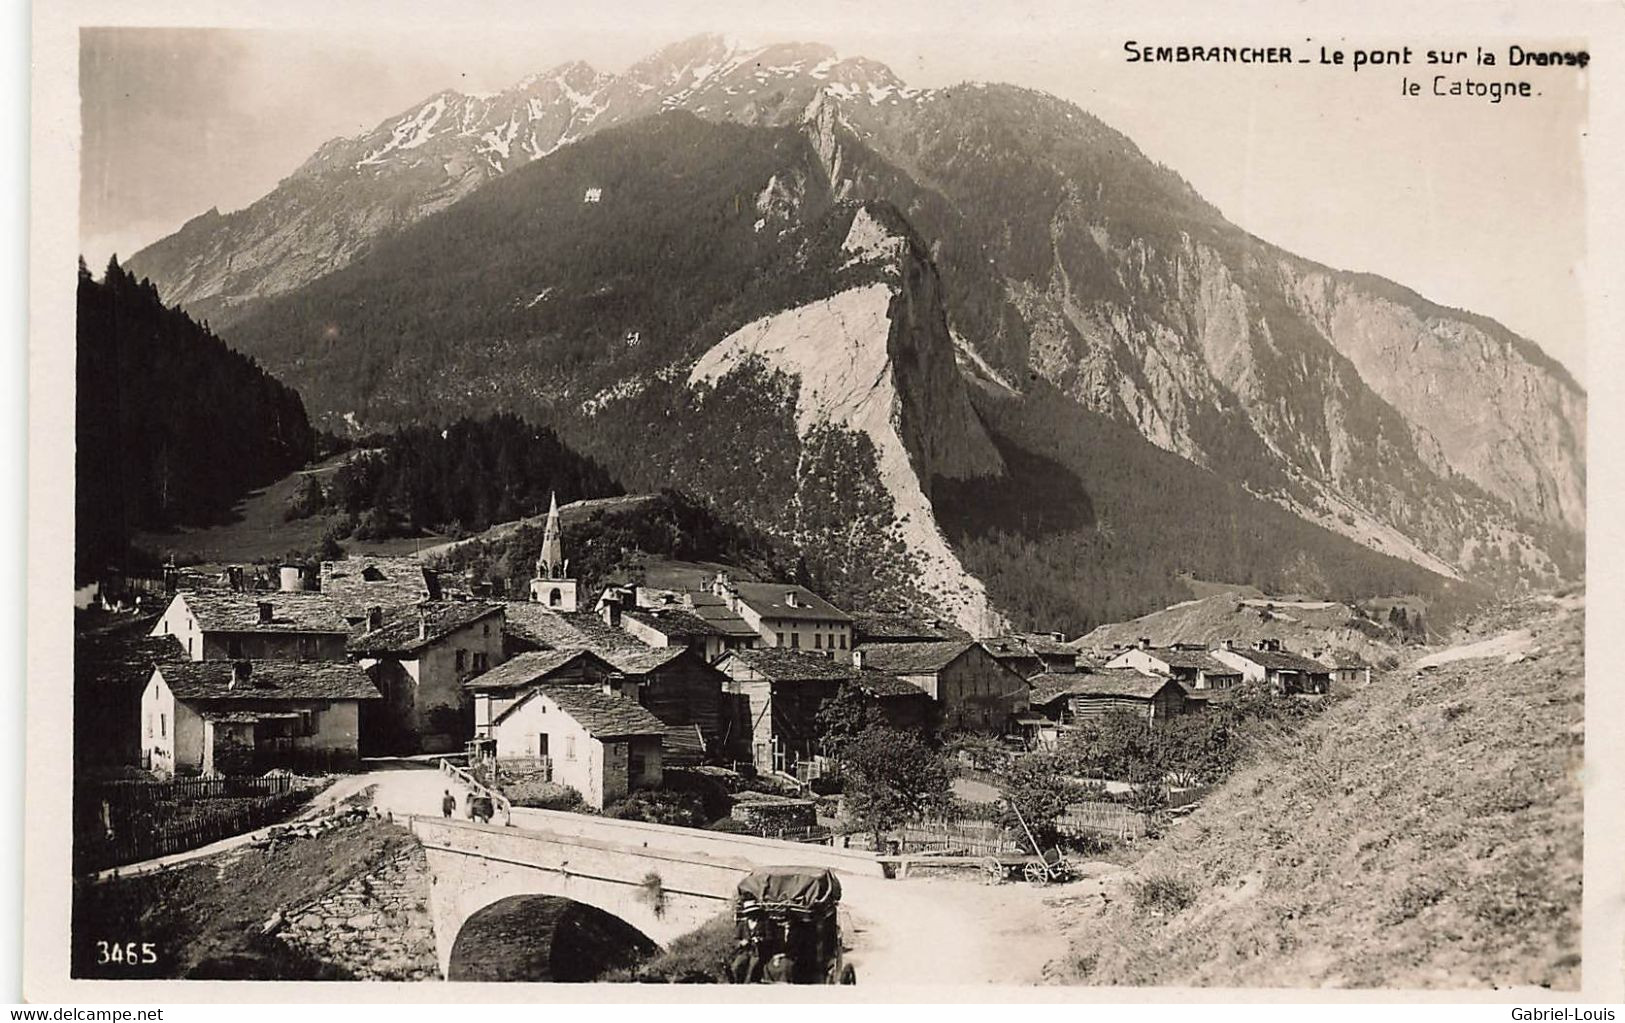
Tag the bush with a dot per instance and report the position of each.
(826, 786)
(699, 957)
(660, 806)
(711, 790)
(1163, 893)
(542, 795)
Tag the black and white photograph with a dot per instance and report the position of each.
(1021, 497)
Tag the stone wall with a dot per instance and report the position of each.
(769, 816)
(377, 926)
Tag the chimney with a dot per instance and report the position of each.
(1228, 644)
(234, 577)
(1145, 643)
(265, 612)
(609, 608)
(790, 599)
(423, 625)
(857, 659)
(240, 672)
(375, 618)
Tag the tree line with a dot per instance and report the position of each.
(172, 427)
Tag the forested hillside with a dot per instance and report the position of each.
(609, 542)
(454, 480)
(173, 427)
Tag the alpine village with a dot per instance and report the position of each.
(553, 532)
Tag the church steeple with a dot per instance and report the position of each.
(552, 585)
(550, 564)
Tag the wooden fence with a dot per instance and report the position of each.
(956, 838)
(122, 822)
(186, 789)
(1110, 819)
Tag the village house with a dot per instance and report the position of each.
(271, 625)
(1346, 666)
(248, 717)
(1075, 698)
(775, 695)
(595, 740)
(110, 674)
(786, 615)
(419, 657)
(494, 691)
(972, 689)
(1285, 673)
(1193, 666)
(684, 691)
(1031, 654)
(363, 581)
(737, 634)
(678, 685)
(664, 624)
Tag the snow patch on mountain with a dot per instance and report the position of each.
(411, 132)
(837, 348)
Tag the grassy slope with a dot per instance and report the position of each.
(260, 533)
(1425, 832)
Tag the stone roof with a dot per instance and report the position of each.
(913, 658)
(1281, 660)
(643, 661)
(1343, 659)
(603, 715)
(409, 629)
(1028, 644)
(710, 608)
(782, 664)
(1050, 686)
(540, 626)
(202, 681)
(882, 685)
(232, 611)
(896, 627)
(367, 580)
(532, 667)
(771, 600)
(124, 658)
(675, 622)
(1196, 660)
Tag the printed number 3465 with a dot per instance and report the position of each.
(128, 953)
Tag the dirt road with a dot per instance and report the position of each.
(398, 787)
(937, 931)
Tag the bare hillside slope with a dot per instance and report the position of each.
(1425, 832)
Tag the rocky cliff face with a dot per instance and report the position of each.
(875, 358)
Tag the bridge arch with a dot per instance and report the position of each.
(543, 938)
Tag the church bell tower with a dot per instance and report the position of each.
(552, 585)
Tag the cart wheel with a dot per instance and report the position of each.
(993, 869)
(849, 975)
(1035, 873)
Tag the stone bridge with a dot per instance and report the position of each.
(659, 881)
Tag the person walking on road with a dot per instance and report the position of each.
(448, 804)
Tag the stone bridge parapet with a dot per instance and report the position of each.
(664, 881)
